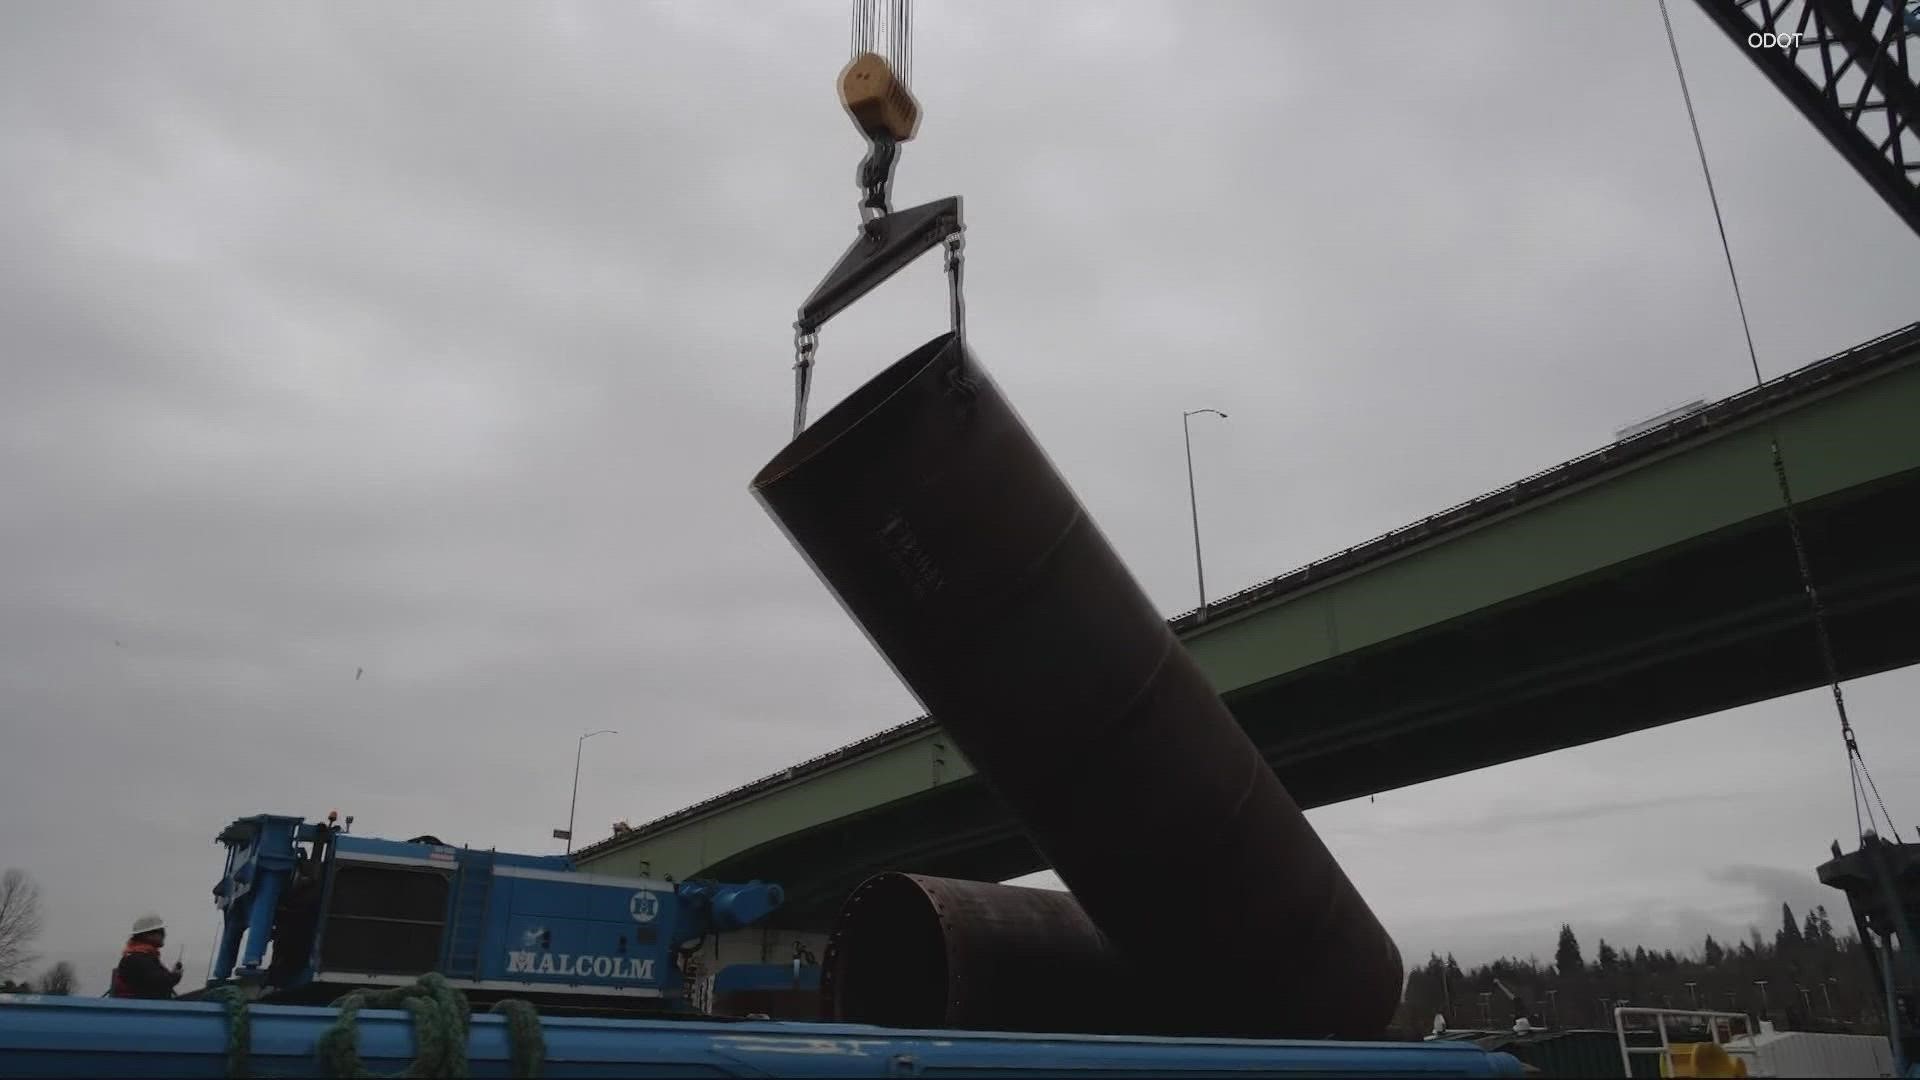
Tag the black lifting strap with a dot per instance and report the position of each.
(885, 245)
(884, 109)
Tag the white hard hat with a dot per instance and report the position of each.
(147, 924)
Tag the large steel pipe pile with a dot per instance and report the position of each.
(930, 511)
(912, 951)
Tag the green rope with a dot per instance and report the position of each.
(440, 1017)
(441, 1020)
(239, 1028)
(526, 1042)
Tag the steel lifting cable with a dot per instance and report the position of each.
(903, 41)
(1856, 763)
(883, 107)
(894, 23)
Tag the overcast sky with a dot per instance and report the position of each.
(443, 341)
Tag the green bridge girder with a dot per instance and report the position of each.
(1645, 583)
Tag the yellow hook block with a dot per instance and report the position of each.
(877, 100)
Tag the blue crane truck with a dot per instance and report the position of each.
(310, 911)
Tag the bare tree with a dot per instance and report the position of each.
(59, 980)
(19, 921)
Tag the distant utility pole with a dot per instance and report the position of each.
(575, 804)
(1193, 501)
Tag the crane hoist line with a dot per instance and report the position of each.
(875, 92)
(929, 510)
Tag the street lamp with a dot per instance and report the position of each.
(1193, 500)
(575, 804)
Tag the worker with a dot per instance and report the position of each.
(802, 957)
(140, 973)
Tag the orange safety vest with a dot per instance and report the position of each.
(121, 989)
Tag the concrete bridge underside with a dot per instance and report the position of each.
(1644, 584)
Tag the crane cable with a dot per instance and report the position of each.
(893, 19)
(1856, 764)
(892, 118)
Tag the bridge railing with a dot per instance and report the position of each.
(1588, 465)
(1716, 1023)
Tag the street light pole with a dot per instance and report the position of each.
(575, 803)
(1193, 501)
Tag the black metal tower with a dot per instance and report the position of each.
(1847, 65)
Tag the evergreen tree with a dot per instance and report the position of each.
(1424, 994)
(1810, 930)
(1789, 935)
(1713, 975)
(1826, 927)
(1566, 957)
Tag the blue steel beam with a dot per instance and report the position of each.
(80, 1037)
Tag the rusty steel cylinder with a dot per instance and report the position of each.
(913, 951)
(931, 513)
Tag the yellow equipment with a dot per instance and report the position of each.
(1700, 1059)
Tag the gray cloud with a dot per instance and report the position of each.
(1774, 885)
(347, 337)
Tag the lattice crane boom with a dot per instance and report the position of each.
(1848, 66)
